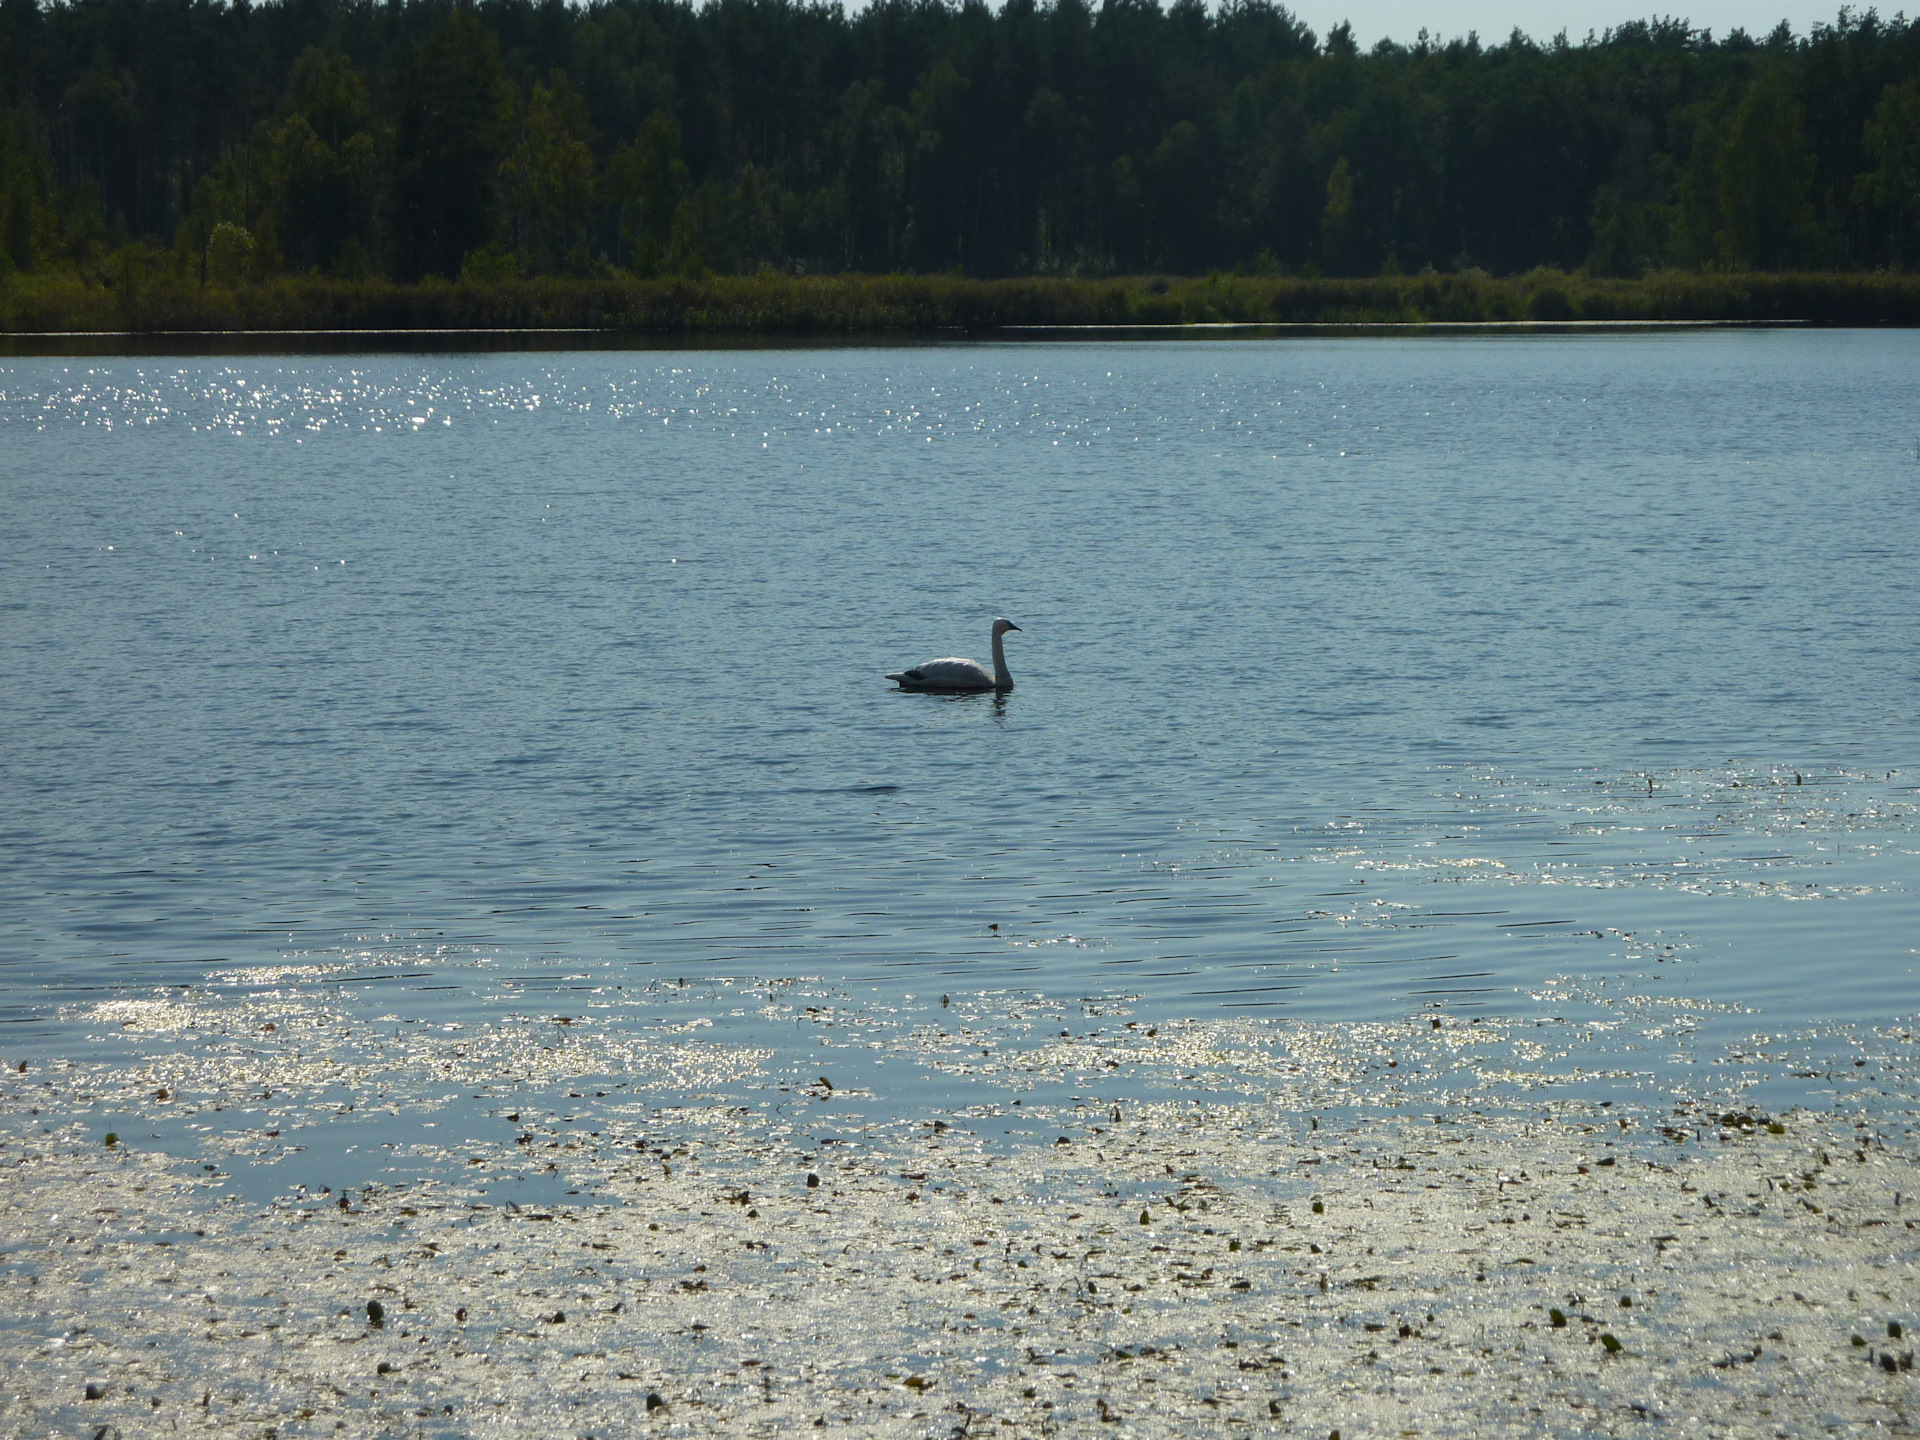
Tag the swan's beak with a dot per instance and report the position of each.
(1012, 626)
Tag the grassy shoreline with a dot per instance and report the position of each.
(825, 306)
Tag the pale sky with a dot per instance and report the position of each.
(1494, 19)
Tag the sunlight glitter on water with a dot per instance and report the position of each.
(1358, 680)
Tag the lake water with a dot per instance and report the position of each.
(1357, 679)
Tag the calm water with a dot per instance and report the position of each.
(1356, 677)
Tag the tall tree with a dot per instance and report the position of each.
(1892, 188)
(452, 128)
(1766, 182)
(547, 181)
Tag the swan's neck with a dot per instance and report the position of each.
(1002, 677)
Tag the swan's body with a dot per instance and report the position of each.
(954, 673)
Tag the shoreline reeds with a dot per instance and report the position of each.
(771, 304)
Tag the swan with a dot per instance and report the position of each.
(957, 674)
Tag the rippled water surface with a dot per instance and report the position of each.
(1355, 677)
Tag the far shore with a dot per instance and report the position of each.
(40, 314)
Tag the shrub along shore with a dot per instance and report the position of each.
(774, 304)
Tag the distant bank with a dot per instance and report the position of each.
(824, 306)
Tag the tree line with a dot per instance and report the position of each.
(402, 139)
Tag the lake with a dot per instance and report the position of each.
(1357, 679)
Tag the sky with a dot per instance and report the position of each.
(1495, 19)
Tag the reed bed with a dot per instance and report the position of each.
(778, 304)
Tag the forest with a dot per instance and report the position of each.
(183, 143)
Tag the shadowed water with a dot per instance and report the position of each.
(1355, 677)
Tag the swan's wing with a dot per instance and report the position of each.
(952, 673)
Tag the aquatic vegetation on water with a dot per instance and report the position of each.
(1208, 1258)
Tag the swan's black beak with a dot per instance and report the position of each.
(1012, 626)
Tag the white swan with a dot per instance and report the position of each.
(957, 674)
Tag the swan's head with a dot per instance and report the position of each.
(1002, 625)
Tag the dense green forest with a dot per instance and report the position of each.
(181, 142)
